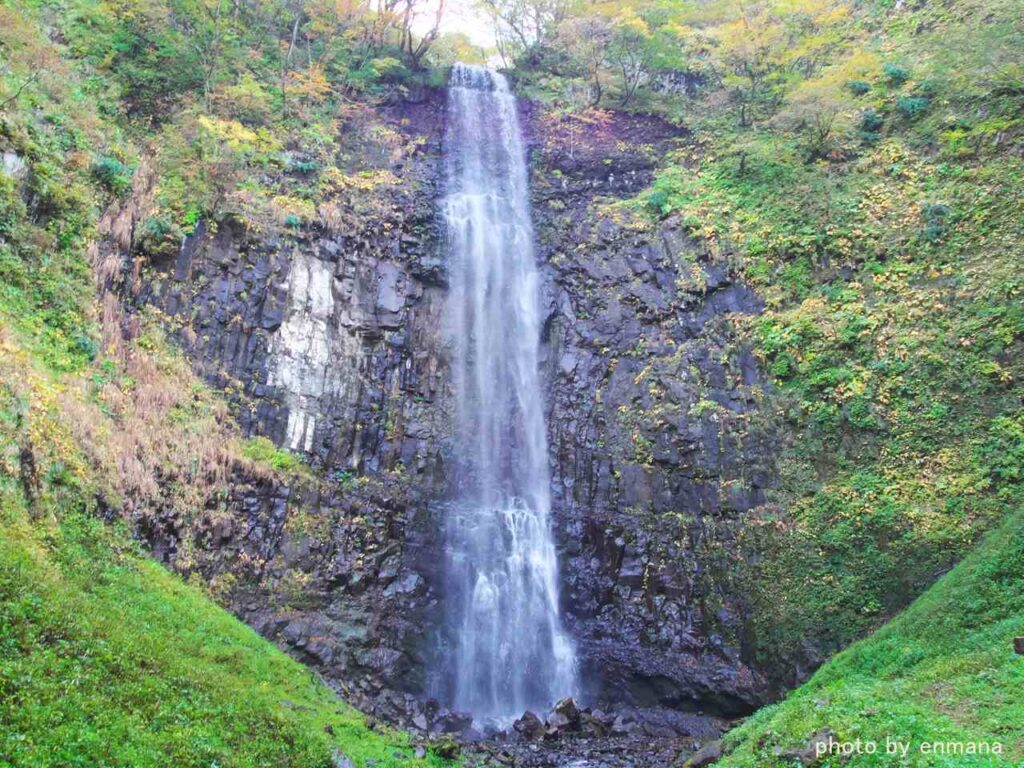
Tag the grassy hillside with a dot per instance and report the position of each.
(874, 200)
(107, 659)
(943, 670)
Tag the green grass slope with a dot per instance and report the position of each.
(106, 659)
(942, 671)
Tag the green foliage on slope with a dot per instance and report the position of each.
(107, 659)
(888, 253)
(861, 164)
(236, 106)
(108, 110)
(51, 138)
(942, 671)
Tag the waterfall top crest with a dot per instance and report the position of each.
(477, 78)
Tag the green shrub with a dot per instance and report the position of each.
(113, 174)
(87, 345)
(1003, 452)
(912, 106)
(871, 121)
(159, 235)
(262, 450)
(303, 166)
(936, 218)
(896, 75)
(154, 63)
(12, 208)
(858, 87)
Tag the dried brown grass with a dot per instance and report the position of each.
(157, 438)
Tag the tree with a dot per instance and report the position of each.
(770, 44)
(749, 51)
(823, 108)
(455, 46)
(523, 25)
(152, 56)
(416, 52)
(630, 51)
(818, 110)
(587, 39)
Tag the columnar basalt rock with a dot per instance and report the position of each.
(330, 341)
(659, 448)
(330, 337)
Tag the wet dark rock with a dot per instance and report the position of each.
(593, 726)
(678, 736)
(706, 755)
(529, 726)
(624, 725)
(565, 715)
(655, 459)
(452, 722)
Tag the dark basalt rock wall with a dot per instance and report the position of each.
(657, 448)
(330, 341)
(330, 337)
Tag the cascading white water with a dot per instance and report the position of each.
(510, 649)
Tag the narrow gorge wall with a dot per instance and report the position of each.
(329, 340)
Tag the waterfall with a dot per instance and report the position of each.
(509, 650)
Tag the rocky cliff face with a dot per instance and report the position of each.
(330, 340)
(330, 337)
(653, 397)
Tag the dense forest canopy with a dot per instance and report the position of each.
(232, 84)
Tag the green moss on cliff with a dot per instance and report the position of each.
(888, 257)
